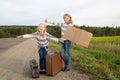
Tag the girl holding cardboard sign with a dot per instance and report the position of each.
(65, 48)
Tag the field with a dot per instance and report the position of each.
(101, 59)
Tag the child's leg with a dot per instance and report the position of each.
(67, 46)
(63, 54)
(45, 53)
(41, 58)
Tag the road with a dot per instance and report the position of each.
(14, 62)
(6, 43)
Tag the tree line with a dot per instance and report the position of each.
(13, 31)
(101, 31)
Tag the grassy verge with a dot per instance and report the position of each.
(102, 63)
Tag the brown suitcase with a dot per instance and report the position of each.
(53, 63)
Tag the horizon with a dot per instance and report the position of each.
(75, 25)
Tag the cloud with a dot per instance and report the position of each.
(102, 13)
(87, 12)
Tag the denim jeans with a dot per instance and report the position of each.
(65, 53)
(42, 55)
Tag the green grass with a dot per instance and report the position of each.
(102, 63)
(99, 63)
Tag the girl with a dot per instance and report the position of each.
(65, 48)
(42, 40)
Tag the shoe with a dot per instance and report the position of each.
(64, 69)
(42, 71)
(68, 69)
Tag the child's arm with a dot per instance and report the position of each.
(52, 37)
(53, 23)
(26, 36)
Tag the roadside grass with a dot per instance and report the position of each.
(101, 64)
(98, 61)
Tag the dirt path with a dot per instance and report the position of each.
(14, 64)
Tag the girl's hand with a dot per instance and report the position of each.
(46, 20)
(61, 40)
(19, 37)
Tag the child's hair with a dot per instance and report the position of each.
(70, 21)
(44, 32)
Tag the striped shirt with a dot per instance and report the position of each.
(63, 27)
(42, 42)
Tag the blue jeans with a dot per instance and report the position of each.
(42, 55)
(65, 53)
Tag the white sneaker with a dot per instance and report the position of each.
(42, 71)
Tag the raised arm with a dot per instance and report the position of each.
(52, 22)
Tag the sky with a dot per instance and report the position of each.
(84, 12)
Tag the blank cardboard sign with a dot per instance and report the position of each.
(78, 36)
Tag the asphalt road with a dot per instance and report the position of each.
(6, 43)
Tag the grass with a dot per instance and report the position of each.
(99, 61)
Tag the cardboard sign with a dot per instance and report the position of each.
(78, 36)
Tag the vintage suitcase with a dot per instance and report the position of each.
(53, 63)
(34, 68)
(78, 36)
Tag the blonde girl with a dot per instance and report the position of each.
(42, 39)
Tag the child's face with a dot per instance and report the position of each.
(41, 28)
(66, 19)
